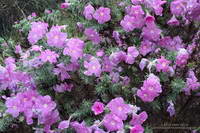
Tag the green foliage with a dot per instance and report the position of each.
(5, 122)
(176, 88)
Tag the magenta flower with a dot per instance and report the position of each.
(132, 53)
(182, 57)
(63, 87)
(138, 119)
(107, 65)
(151, 32)
(137, 2)
(62, 71)
(119, 108)
(64, 5)
(112, 122)
(13, 106)
(151, 88)
(156, 5)
(146, 47)
(18, 49)
(135, 11)
(137, 129)
(38, 30)
(127, 23)
(88, 12)
(102, 15)
(117, 57)
(56, 38)
(48, 56)
(92, 35)
(162, 64)
(93, 67)
(192, 83)
(98, 108)
(63, 125)
(74, 48)
(177, 7)
(36, 48)
(173, 21)
(117, 38)
(80, 127)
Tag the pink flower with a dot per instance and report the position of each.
(36, 48)
(55, 37)
(192, 83)
(127, 23)
(63, 87)
(146, 47)
(88, 12)
(182, 57)
(132, 53)
(102, 15)
(137, 2)
(107, 65)
(18, 49)
(138, 119)
(135, 11)
(137, 129)
(119, 108)
(63, 125)
(62, 71)
(92, 35)
(151, 32)
(64, 5)
(48, 56)
(177, 7)
(173, 21)
(112, 122)
(151, 88)
(93, 67)
(156, 5)
(74, 48)
(13, 105)
(38, 30)
(98, 108)
(162, 64)
(117, 57)
(80, 127)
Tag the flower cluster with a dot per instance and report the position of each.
(102, 14)
(32, 105)
(37, 32)
(151, 88)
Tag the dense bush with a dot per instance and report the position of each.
(104, 66)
